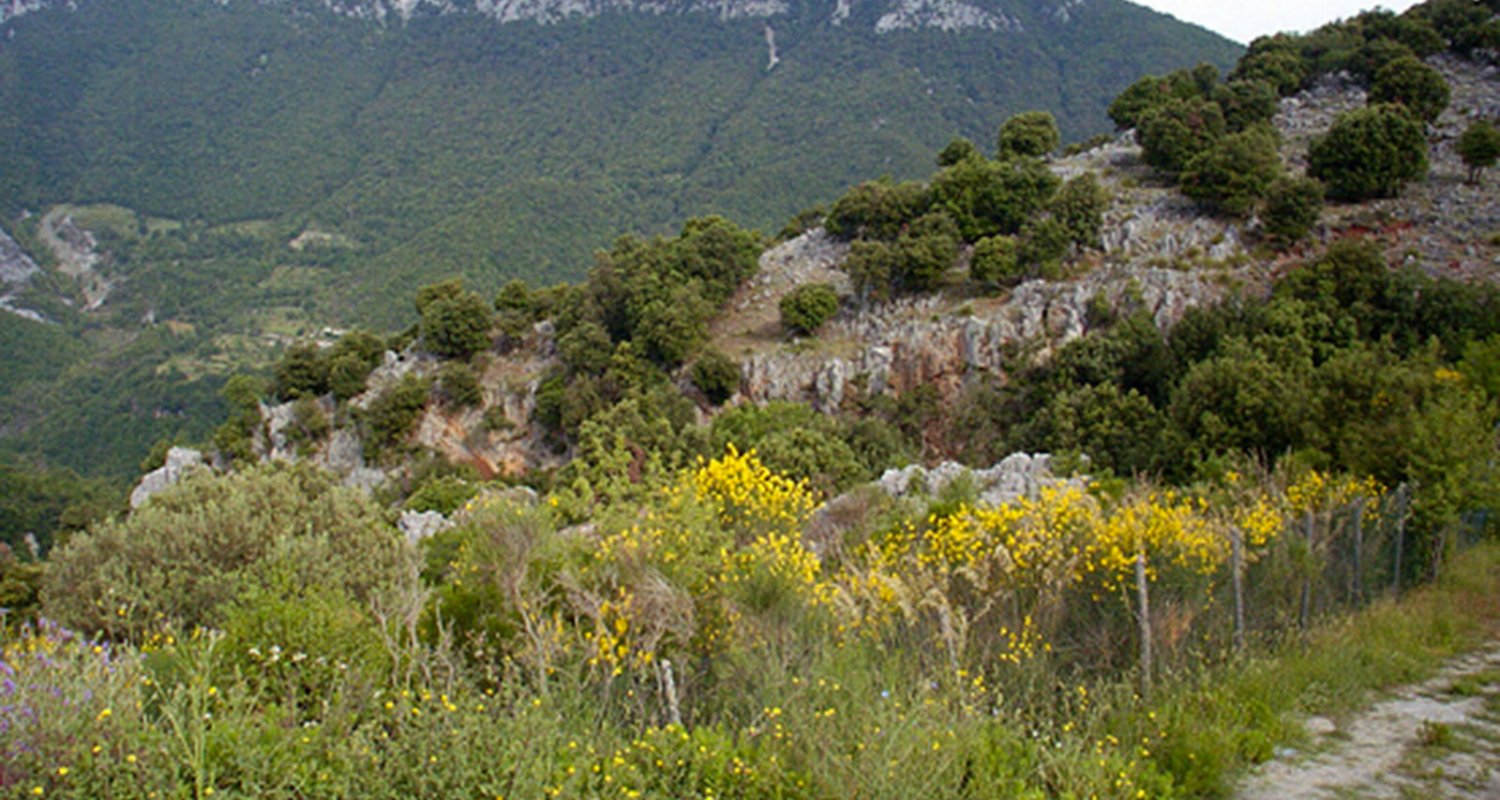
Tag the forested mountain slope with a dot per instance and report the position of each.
(194, 185)
(472, 140)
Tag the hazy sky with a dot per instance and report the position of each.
(1243, 20)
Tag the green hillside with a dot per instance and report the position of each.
(424, 141)
(448, 145)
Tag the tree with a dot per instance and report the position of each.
(346, 376)
(391, 416)
(1151, 91)
(455, 324)
(996, 261)
(672, 328)
(989, 197)
(1479, 146)
(1235, 172)
(1172, 133)
(915, 262)
(927, 251)
(807, 307)
(302, 370)
(1246, 103)
(1279, 65)
(716, 252)
(717, 376)
(1374, 55)
(960, 149)
(1032, 134)
(1079, 206)
(1045, 243)
(1413, 31)
(876, 210)
(1293, 206)
(1369, 152)
(1410, 83)
(870, 266)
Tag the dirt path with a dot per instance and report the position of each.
(1439, 739)
(77, 255)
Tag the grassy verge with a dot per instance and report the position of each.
(1213, 725)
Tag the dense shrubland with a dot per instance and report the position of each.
(693, 642)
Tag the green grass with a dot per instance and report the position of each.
(1225, 719)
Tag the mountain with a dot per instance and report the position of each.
(202, 183)
(513, 138)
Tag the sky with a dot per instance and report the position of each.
(1243, 20)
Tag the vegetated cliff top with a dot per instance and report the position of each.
(1159, 252)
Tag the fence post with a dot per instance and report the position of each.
(1237, 573)
(1359, 551)
(1401, 492)
(1143, 598)
(1304, 611)
(669, 688)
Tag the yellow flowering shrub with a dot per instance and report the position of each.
(751, 499)
(1164, 526)
(1316, 491)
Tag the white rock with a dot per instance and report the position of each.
(180, 462)
(419, 525)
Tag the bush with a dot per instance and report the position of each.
(1293, 206)
(805, 308)
(960, 149)
(390, 417)
(987, 197)
(1246, 103)
(717, 376)
(1410, 83)
(346, 376)
(870, 266)
(1479, 147)
(1079, 206)
(201, 545)
(671, 329)
(1369, 152)
(1374, 55)
(444, 494)
(927, 251)
(1032, 134)
(1234, 174)
(996, 261)
(302, 370)
(455, 325)
(1283, 69)
(876, 210)
(1174, 132)
(302, 645)
(458, 386)
(1044, 245)
(309, 424)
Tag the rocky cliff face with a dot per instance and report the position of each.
(16, 272)
(928, 342)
